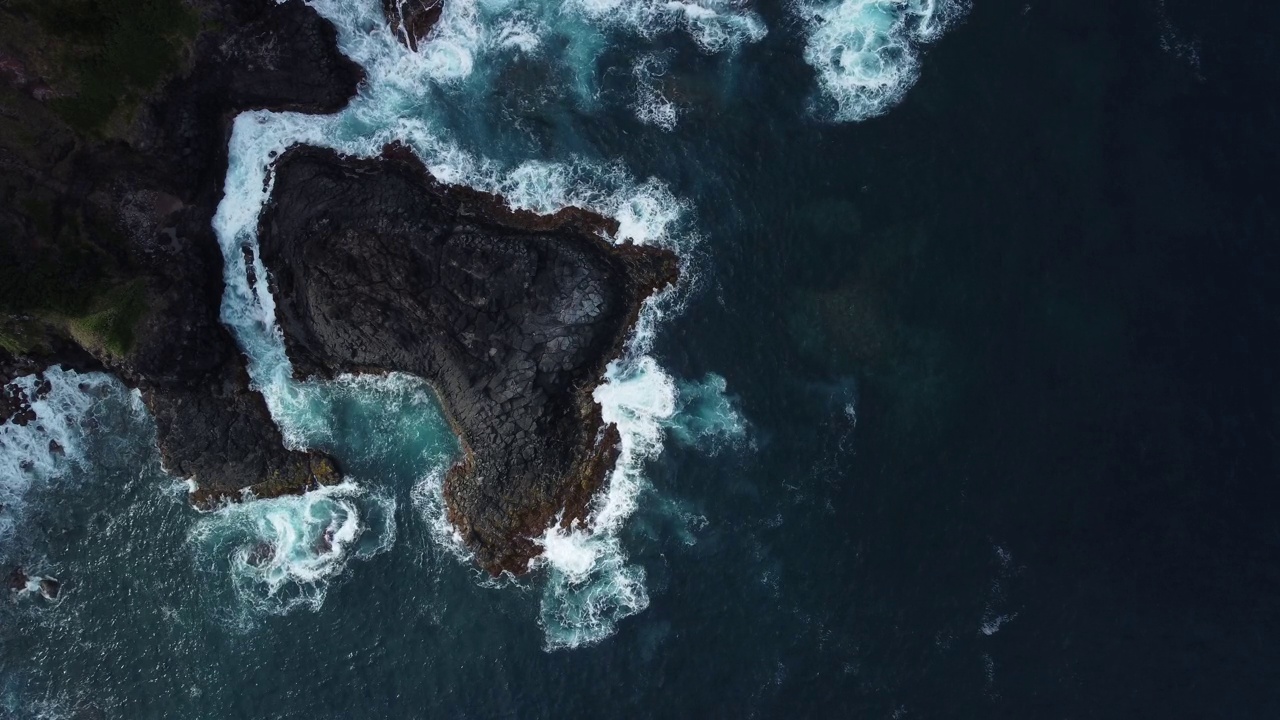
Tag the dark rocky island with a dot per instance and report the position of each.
(511, 316)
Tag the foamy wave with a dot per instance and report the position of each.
(867, 52)
(281, 554)
(428, 498)
(706, 416)
(652, 106)
(716, 25)
(473, 40)
(47, 447)
(590, 585)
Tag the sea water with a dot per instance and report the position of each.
(843, 470)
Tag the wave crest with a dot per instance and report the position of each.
(866, 53)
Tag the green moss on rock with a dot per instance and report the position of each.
(107, 55)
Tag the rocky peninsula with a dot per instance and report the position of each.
(111, 263)
(376, 266)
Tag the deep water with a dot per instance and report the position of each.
(967, 408)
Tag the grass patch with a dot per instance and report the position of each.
(20, 336)
(109, 326)
(111, 53)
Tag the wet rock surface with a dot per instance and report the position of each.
(412, 20)
(50, 588)
(512, 317)
(132, 213)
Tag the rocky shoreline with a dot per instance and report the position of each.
(512, 316)
(145, 201)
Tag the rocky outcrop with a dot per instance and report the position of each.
(111, 261)
(22, 583)
(511, 316)
(412, 20)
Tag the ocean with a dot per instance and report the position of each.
(966, 405)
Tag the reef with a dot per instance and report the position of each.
(513, 317)
(113, 140)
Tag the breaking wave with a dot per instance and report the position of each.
(410, 97)
(281, 554)
(41, 452)
(707, 417)
(866, 53)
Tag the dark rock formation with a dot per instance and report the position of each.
(511, 316)
(110, 258)
(412, 20)
(17, 580)
(20, 582)
(50, 588)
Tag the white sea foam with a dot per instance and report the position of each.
(428, 499)
(994, 616)
(716, 25)
(42, 451)
(590, 585)
(473, 38)
(706, 416)
(652, 106)
(281, 554)
(867, 52)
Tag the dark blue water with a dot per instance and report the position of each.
(1007, 354)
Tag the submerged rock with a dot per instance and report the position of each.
(50, 588)
(261, 554)
(512, 317)
(18, 579)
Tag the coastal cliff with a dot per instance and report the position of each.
(106, 205)
(376, 266)
(513, 317)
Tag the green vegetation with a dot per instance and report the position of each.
(98, 321)
(107, 54)
(68, 284)
(109, 326)
(19, 335)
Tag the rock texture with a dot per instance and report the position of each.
(412, 20)
(512, 317)
(128, 216)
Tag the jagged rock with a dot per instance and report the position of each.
(378, 267)
(50, 588)
(17, 580)
(412, 20)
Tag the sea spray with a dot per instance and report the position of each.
(706, 416)
(651, 105)
(590, 585)
(281, 554)
(866, 53)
